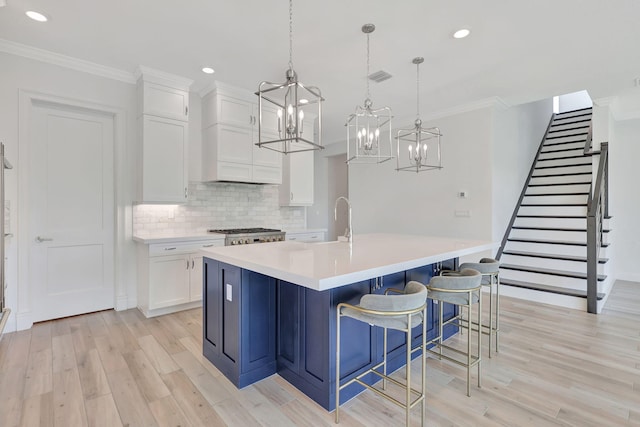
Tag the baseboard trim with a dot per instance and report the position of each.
(24, 321)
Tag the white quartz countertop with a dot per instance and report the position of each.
(153, 238)
(328, 265)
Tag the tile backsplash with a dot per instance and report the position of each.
(219, 205)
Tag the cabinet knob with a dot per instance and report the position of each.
(291, 196)
(186, 192)
(186, 110)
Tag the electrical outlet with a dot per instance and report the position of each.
(463, 194)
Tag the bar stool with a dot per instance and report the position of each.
(401, 312)
(490, 270)
(463, 290)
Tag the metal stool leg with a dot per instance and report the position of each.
(479, 337)
(490, 313)
(338, 367)
(497, 310)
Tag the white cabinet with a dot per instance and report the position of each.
(306, 236)
(170, 276)
(229, 134)
(163, 123)
(297, 179)
(163, 101)
(164, 173)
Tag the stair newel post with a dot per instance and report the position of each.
(592, 264)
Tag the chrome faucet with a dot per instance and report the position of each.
(348, 233)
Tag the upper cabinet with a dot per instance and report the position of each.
(163, 126)
(297, 174)
(229, 134)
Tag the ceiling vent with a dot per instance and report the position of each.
(379, 76)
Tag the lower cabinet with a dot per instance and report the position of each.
(239, 335)
(170, 276)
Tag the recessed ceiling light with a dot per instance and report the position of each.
(208, 70)
(304, 101)
(36, 16)
(462, 33)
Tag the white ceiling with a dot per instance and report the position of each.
(519, 50)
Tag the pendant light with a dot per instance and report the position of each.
(282, 108)
(418, 148)
(368, 129)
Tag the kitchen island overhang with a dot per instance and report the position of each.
(327, 265)
(271, 308)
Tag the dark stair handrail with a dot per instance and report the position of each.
(597, 211)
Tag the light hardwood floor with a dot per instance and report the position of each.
(555, 367)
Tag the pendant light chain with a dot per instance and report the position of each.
(367, 76)
(291, 34)
(418, 89)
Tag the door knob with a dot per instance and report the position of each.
(40, 239)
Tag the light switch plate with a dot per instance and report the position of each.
(229, 293)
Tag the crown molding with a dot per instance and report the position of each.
(491, 102)
(42, 55)
(162, 78)
(218, 86)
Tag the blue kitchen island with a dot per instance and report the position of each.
(271, 308)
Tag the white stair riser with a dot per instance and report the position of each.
(547, 248)
(569, 236)
(561, 179)
(559, 189)
(554, 264)
(575, 303)
(567, 132)
(542, 170)
(564, 116)
(544, 279)
(552, 222)
(577, 147)
(569, 124)
(573, 236)
(555, 200)
(563, 162)
(553, 210)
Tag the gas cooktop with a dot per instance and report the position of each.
(245, 236)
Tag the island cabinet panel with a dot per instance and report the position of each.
(239, 333)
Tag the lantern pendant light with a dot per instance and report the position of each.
(418, 148)
(369, 137)
(282, 108)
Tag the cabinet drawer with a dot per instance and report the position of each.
(162, 249)
(306, 237)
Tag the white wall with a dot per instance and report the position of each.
(574, 101)
(426, 203)
(518, 133)
(624, 198)
(18, 73)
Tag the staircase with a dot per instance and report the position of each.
(544, 254)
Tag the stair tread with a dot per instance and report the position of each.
(566, 130)
(575, 111)
(563, 150)
(561, 257)
(552, 242)
(571, 165)
(554, 216)
(550, 271)
(553, 204)
(561, 174)
(560, 183)
(584, 230)
(546, 288)
(557, 194)
(548, 159)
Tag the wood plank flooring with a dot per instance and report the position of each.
(556, 367)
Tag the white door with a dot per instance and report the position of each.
(71, 211)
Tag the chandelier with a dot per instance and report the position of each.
(418, 148)
(282, 107)
(369, 130)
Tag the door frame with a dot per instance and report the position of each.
(24, 316)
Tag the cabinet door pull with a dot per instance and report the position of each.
(187, 264)
(186, 193)
(291, 196)
(170, 249)
(207, 246)
(193, 263)
(186, 110)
